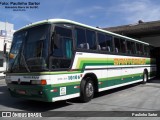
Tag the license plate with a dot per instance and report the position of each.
(21, 92)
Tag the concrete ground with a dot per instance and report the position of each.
(136, 97)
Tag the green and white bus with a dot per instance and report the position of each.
(59, 59)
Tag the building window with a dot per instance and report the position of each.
(1, 62)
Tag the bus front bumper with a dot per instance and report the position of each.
(32, 92)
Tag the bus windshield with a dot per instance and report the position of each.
(30, 50)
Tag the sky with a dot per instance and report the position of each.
(101, 13)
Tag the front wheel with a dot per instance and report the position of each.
(87, 89)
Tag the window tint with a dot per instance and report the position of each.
(63, 45)
(123, 45)
(117, 45)
(105, 42)
(151, 51)
(109, 43)
(91, 39)
(139, 48)
(120, 45)
(80, 38)
(101, 42)
(131, 47)
(62, 48)
(63, 31)
(146, 50)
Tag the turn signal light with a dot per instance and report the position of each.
(11, 56)
(43, 82)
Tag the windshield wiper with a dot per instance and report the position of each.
(25, 64)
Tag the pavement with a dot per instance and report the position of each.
(136, 97)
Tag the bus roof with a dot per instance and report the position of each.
(49, 21)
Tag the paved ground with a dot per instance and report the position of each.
(137, 97)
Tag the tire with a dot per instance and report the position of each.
(145, 77)
(87, 90)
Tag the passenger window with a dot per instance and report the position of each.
(139, 48)
(109, 43)
(101, 42)
(80, 39)
(130, 47)
(120, 45)
(123, 45)
(91, 39)
(146, 50)
(133, 48)
(117, 45)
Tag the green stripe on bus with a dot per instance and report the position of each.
(65, 84)
(123, 76)
(132, 76)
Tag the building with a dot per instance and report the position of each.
(6, 35)
(144, 31)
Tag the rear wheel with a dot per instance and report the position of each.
(87, 89)
(145, 77)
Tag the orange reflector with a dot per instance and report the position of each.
(11, 56)
(43, 82)
(55, 90)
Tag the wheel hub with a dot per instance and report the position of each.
(89, 90)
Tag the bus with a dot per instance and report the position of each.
(59, 59)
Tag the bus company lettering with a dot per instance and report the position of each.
(31, 77)
(129, 61)
(73, 77)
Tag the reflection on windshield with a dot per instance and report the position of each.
(17, 41)
(16, 45)
(35, 43)
(31, 50)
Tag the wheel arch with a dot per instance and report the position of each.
(94, 79)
